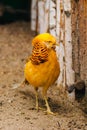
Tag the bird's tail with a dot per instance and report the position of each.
(22, 84)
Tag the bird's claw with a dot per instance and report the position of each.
(39, 108)
(49, 112)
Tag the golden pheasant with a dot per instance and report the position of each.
(42, 69)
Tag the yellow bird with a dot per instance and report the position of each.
(42, 69)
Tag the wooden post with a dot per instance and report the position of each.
(60, 51)
(68, 43)
(46, 16)
(41, 15)
(52, 17)
(70, 75)
(33, 15)
(58, 13)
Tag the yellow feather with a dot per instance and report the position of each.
(44, 74)
(43, 68)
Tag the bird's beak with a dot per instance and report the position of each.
(54, 45)
(57, 44)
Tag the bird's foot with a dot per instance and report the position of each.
(50, 112)
(46, 111)
(39, 108)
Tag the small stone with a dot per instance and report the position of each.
(27, 118)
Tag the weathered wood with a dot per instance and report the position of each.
(70, 75)
(41, 14)
(34, 15)
(61, 52)
(46, 16)
(70, 78)
(58, 20)
(52, 17)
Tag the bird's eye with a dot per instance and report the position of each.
(48, 42)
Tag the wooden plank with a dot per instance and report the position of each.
(34, 15)
(70, 77)
(46, 16)
(52, 17)
(41, 14)
(60, 37)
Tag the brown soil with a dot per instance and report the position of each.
(17, 104)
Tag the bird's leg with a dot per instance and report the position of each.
(37, 103)
(36, 94)
(47, 105)
(46, 101)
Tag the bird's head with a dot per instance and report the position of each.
(45, 38)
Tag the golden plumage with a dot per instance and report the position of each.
(39, 53)
(43, 69)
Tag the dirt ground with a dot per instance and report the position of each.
(17, 104)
